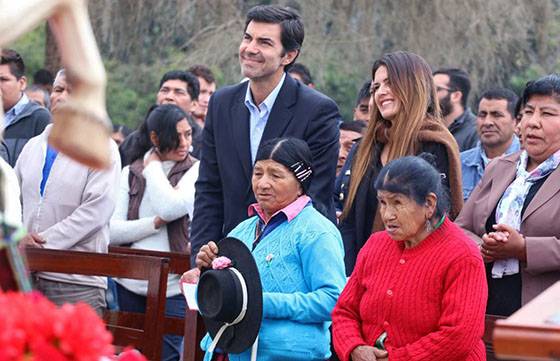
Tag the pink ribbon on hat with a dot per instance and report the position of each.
(221, 263)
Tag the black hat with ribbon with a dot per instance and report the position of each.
(230, 298)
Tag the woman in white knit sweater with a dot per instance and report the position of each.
(154, 205)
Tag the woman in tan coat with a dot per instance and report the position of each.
(513, 213)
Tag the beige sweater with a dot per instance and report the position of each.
(76, 206)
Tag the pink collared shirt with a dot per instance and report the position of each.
(291, 210)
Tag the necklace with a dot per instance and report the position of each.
(440, 222)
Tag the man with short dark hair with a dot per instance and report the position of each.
(44, 79)
(362, 108)
(269, 105)
(207, 88)
(180, 88)
(301, 73)
(350, 132)
(23, 119)
(495, 124)
(175, 87)
(453, 86)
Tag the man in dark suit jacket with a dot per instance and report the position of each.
(235, 126)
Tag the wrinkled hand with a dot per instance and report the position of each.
(191, 276)
(206, 255)
(381, 355)
(159, 222)
(505, 243)
(32, 240)
(368, 353)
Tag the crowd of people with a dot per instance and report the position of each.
(391, 234)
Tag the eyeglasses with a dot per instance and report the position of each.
(440, 88)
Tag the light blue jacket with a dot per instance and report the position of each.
(301, 265)
(472, 165)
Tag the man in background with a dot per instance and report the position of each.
(175, 87)
(44, 79)
(495, 125)
(66, 206)
(207, 84)
(453, 86)
(362, 107)
(301, 73)
(350, 133)
(39, 95)
(23, 119)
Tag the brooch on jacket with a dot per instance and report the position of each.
(269, 258)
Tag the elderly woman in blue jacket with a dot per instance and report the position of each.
(298, 252)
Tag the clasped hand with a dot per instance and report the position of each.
(505, 242)
(32, 240)
(369, 353)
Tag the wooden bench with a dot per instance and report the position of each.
(192, 326)
(143, 331)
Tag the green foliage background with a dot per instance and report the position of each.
(342, 40)
(31, 47)
(131, 88)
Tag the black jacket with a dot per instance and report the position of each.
(464, 130)
(29, 123)
(223, 189)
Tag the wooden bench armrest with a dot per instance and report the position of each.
(192, 326)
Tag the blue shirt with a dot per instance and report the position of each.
(259, 115)
(11, 114)
(473, 163)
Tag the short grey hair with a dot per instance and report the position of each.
(61, 72)
(46, 96)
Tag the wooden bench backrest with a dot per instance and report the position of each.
(125, 327)
(192, 327)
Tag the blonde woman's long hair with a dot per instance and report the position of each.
(411, 81)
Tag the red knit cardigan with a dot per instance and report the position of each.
(430, 299)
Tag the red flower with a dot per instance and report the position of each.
(47, 351)
(34, 329)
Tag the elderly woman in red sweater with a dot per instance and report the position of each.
(418, 291)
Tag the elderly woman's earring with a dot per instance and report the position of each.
(429, 226)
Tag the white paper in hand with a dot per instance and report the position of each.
(189, 290)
